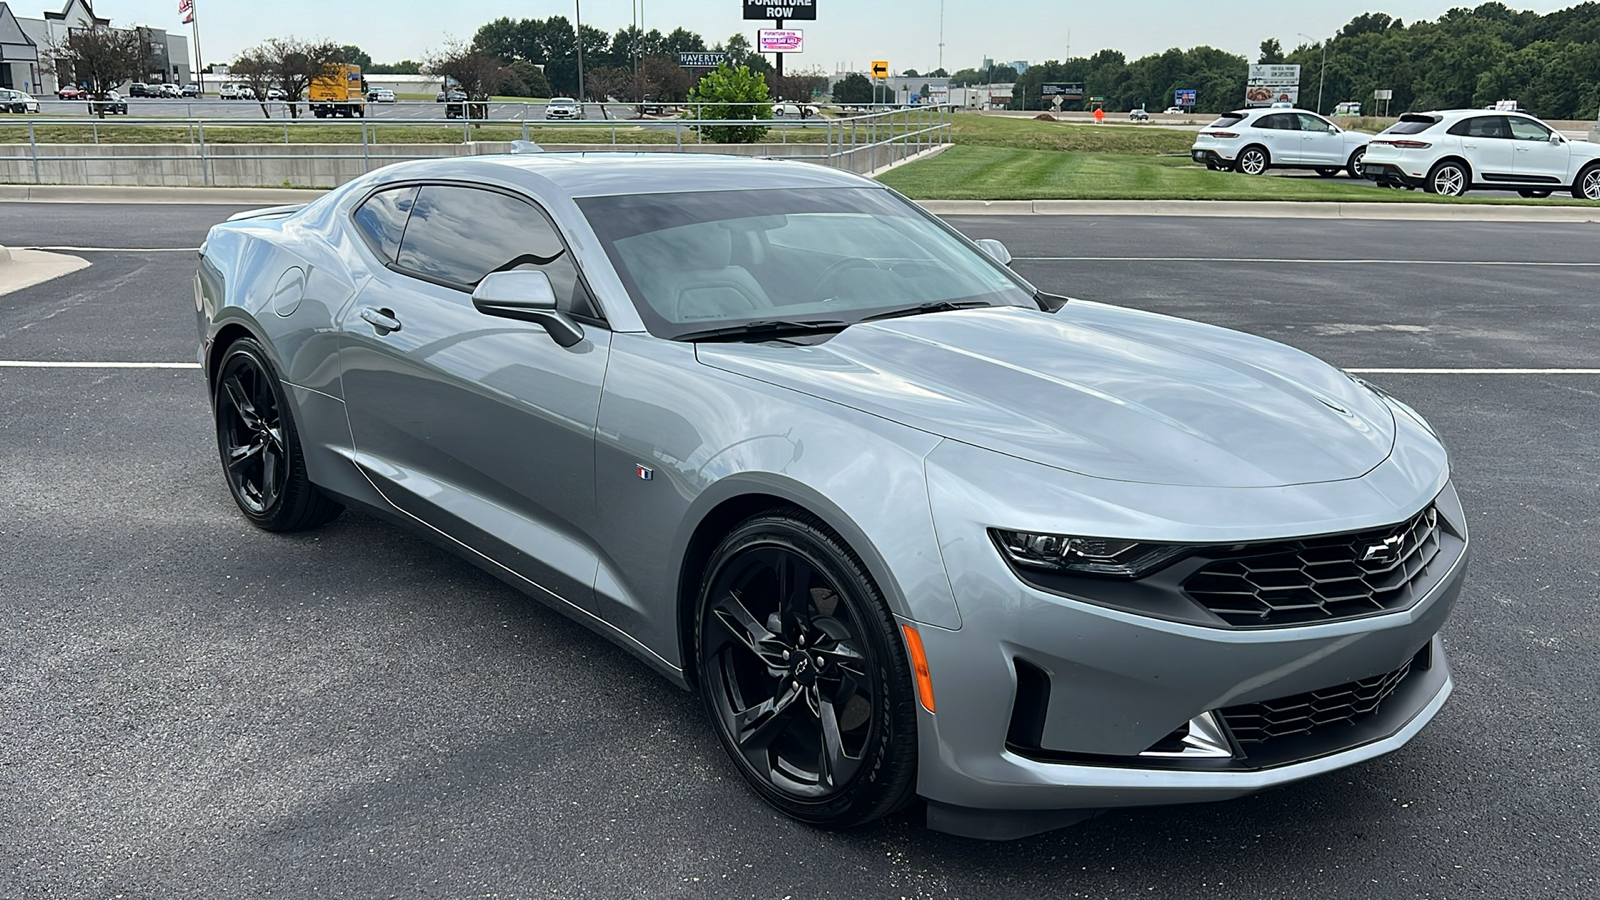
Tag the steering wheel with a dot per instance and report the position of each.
(818, 292)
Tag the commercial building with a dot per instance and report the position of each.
(168, 53)
(19, 56)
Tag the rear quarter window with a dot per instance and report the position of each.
(1226, 120)
(1410, 125)
(381, 219)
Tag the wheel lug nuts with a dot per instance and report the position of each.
(785, 656)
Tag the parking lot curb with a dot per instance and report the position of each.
(25, 268)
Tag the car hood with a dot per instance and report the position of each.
(1096, 390)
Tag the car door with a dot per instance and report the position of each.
(1321, 142)
(1280, 133)
(481, 426)
(1538, 160)
(1486, 143)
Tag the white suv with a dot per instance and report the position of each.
(1454, 151)
(1255, 140)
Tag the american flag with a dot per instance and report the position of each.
(186, 9)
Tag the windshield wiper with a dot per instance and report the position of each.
(764, 329)
(935, 306)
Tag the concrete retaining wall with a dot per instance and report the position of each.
(328, 165)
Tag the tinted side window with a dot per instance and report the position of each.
(457, 235)
(1279, 122)
(1415, 125)
(1482, 127)
(382, 219)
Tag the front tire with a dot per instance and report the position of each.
(803, 673)
(1588, 184)
(1253, 161)
(1448, 179)
(260, 446)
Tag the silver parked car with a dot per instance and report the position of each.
(907, 524)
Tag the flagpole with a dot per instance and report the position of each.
(199, 66)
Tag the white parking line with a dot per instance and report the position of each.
(44, 364)
(1314, 262)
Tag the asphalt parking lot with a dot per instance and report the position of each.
(192, 708)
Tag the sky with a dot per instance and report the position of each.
(846, 36)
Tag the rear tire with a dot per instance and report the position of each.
(803, 673)
(1448, 179)
(260, 445)
(1587, 186)
(1354, 166)
(1253, 161)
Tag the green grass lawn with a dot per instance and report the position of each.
(1034, 134)
(998, 173)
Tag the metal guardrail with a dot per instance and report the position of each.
(862, 142)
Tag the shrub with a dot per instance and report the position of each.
(731, 92)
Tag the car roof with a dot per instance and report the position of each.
(607, 173)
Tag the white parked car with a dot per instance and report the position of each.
(562, 108)
(1454, 151)
(794, 111)
(17, 102)
(380, 95)
(1173, 111)
(169, 90)
(1255, 140)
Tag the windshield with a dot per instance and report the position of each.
(719, 259)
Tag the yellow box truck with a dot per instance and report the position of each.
(338, 93)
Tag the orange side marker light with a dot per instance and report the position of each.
(919, 664)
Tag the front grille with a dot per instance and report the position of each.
(1320, 579)
(1347, 704)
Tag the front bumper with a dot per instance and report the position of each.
(1119, 683)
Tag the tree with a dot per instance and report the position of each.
(525, 81)
(607, 83)
(938, 73)
(290, 66)
(1002, 75)
(403, 67)
(99, 58)
(731, 92)
(478, 74)
(355, 56)
(255, 70)
(682, 41)
(911, 73)
(1271, 52)
(853, 90)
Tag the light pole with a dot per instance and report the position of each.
(578, 8)
(1322, 73)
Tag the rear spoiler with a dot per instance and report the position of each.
(268, 212)
(1422, 117)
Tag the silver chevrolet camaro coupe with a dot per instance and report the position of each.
(909, 526)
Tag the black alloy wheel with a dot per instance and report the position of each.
(260, 448)
(1253, 161)
(804, 675)
(1448, 179)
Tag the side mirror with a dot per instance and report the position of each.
(526, 297)
(1556, 138)
(996, 250)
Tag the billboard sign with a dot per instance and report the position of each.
(702, 60)
(1064, 91)
(1269, 84)
(1184, 97)
(781, 9)
(780, 40)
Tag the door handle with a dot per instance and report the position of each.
(381, 319)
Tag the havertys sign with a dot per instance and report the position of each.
(780, 9)
(702, 60)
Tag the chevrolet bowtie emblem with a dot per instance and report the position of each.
(1386, 552)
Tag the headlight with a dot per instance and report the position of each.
(1085, 555)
